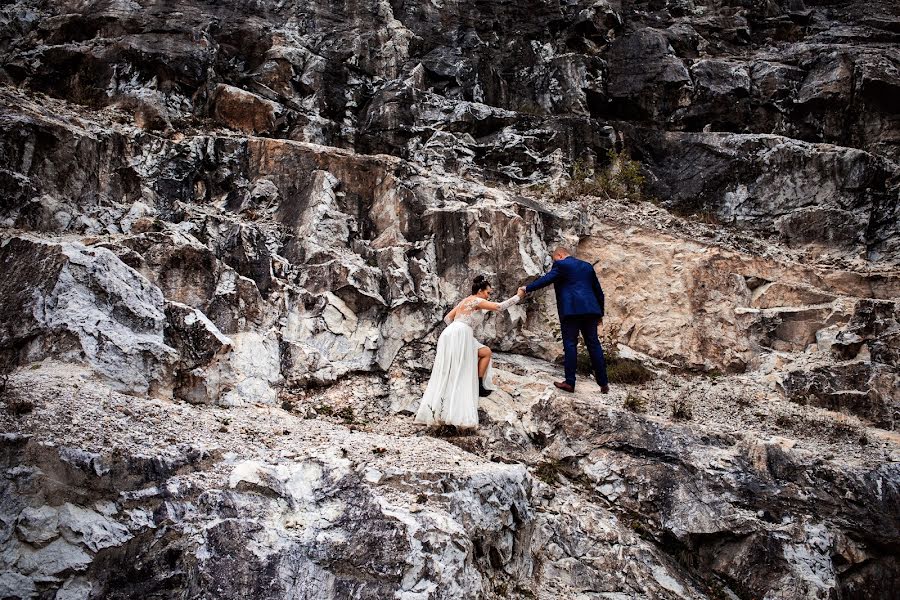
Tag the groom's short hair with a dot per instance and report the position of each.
(561, 250)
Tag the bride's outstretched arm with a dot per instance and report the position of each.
(485, 305)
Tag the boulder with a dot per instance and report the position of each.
(38, 525)
(867, 390)
(824, 194)
(72, 300)
(646, 79)
(90, 529)
(244, 111)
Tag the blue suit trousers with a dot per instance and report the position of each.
(586, 325)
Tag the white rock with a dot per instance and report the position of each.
(82, 526)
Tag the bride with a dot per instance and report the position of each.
(462, 365)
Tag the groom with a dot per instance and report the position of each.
(579, 300)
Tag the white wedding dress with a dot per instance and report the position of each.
(451, 397)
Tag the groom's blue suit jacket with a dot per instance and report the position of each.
(578, 291)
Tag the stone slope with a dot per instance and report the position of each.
(164, 499)
(229, 231)
(179, 500)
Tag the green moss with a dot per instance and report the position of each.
(548, 472)
(622, 371)
(635, 403)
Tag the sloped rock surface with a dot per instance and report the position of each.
(720, 500)
(297, 505)
(251, 217)
(167, 498)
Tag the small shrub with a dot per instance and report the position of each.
(18, 406)
(548, 472)
(639, 528)
(628, 371)
(844, 425)
(681, 409)
(635, 403)
(584, 364)
(530, 108)
(325, 410)
(539, 189)
(709, 217)
(621, 178)
(696, 211)
(346, 414)
(624, 175)
(619, 370)
(784, 421)
(444, 431)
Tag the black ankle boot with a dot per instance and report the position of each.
(482, 391)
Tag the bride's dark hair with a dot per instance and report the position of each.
(481, 282)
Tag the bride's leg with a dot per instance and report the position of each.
(484, 359)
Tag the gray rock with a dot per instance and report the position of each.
(812, 195)
(14, 585)
(646, 78)
(861, 388)
(76, 299)
(56, 558)
(254, 205)
(749, 497)
(74, 589)
(91, 529)
(38, 525)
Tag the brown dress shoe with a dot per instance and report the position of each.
(564, 386)
(604, 389)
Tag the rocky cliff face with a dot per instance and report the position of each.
(230, 231)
